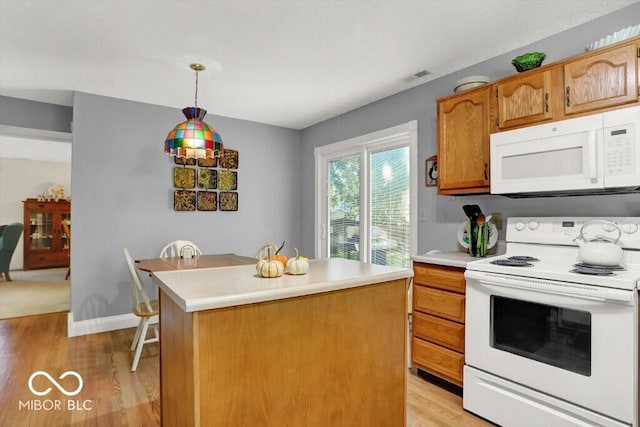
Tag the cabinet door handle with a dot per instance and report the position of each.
(568, 98)
(486, 166)
(546, 102)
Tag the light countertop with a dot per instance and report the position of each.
(210, 288)
(453, 258)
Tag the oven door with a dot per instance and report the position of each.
(574, 342)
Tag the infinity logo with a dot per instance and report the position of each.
(55, 383)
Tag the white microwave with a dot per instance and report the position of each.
(593, 154)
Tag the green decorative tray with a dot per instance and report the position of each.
(528, 61)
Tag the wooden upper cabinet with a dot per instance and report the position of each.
(601, 81)
(464, 125)
(525, 99)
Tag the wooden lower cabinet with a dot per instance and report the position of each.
(335, 358)
(439, 331)
(438, 360)
(438, 316)
(445, 304)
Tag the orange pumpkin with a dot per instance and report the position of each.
(278, 256)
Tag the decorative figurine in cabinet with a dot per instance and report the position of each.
(45, 242)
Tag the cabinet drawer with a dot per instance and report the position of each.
(439, 361)
(439, 303)
(46, 259)
(448, 278)
(440, 331)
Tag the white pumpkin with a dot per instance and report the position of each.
(298, 265)
(269, 268)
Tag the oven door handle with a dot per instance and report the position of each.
(586, 292)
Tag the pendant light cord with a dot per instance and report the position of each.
(196, 100)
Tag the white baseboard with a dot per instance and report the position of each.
(101, 324)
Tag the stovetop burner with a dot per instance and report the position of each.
(523, 258)
(512, 262)
(604, 267)
(594, 271)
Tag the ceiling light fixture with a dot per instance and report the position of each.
(194, 138)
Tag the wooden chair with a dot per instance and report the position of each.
(67, 231)
(180, 248)
(145, 309)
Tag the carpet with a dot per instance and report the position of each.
(34, 292)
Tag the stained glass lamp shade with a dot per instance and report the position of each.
(193, 137)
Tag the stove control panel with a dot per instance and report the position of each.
(564, 230)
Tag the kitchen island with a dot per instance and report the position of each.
(325, 348)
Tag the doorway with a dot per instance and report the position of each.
(29, 165)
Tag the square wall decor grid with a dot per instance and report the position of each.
(206, 184)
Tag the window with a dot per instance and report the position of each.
(366, 197)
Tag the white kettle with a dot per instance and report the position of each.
(600, 250)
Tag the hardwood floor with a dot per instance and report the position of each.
(112, 395)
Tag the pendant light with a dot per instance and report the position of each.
(194, 138)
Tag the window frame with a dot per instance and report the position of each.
(404, 135)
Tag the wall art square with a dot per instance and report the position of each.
(207, 179)
(207, 200)
(184, 200)
(186, 161)
(229, 159)
(228, 180)
(211, 162)
(184, 177)
(228, 201)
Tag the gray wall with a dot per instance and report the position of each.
(123, 187)
(35, 115)
(442, 214)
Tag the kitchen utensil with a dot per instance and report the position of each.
(472, 212)
(481, 236)
(600, 250)
(463, 234)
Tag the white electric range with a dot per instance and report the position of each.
(546, 345)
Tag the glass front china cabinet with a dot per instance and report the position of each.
(45, 242)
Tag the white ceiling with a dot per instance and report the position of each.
(288, 63)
